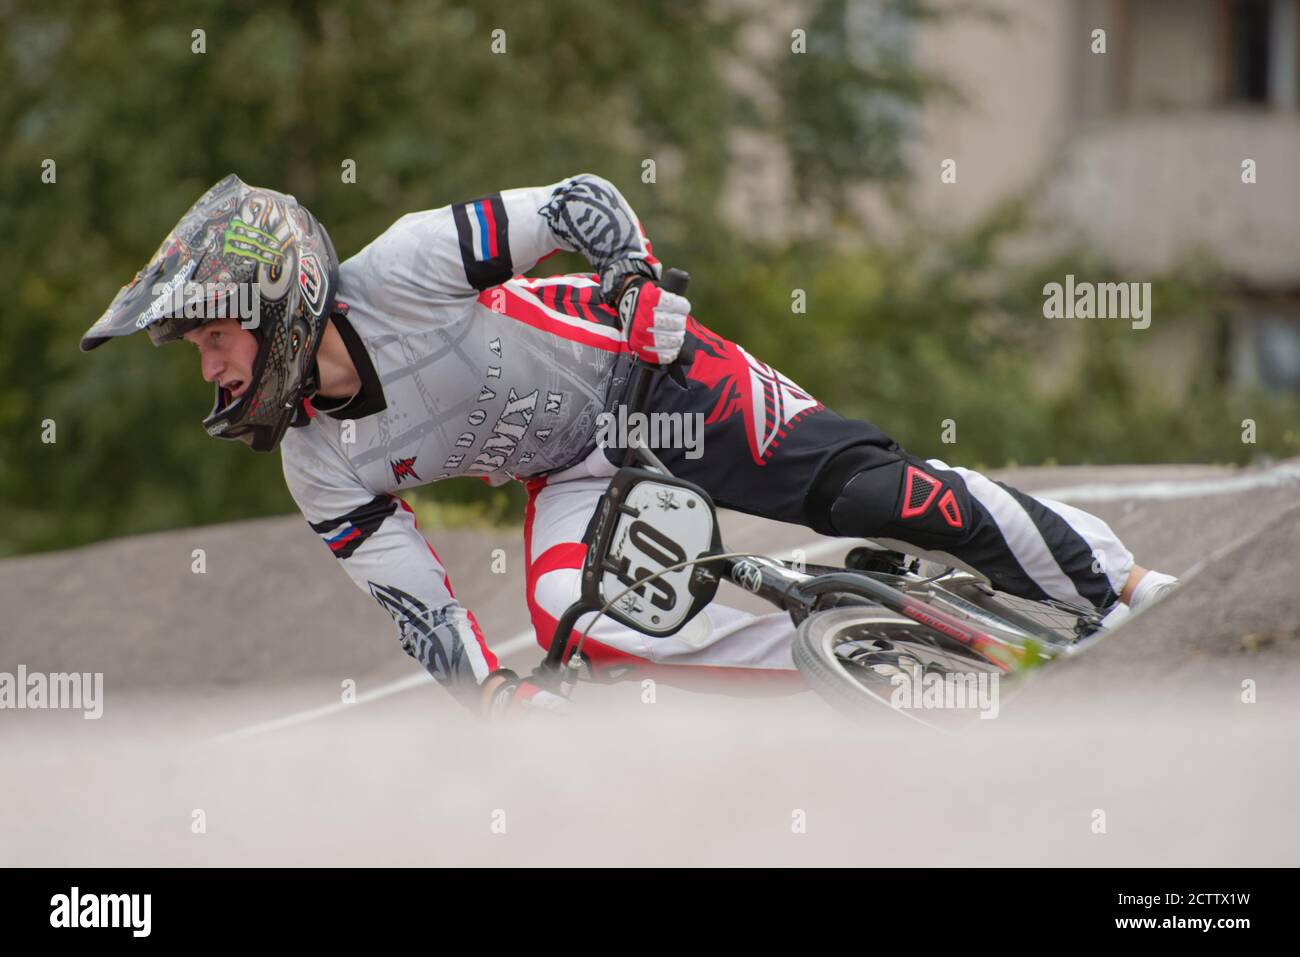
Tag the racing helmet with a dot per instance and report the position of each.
(239, 245)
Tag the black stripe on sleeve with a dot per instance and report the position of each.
(484, 273)
(364, 519)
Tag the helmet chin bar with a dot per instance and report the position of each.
(224, 423)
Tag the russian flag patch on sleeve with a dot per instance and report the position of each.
(484, 233)
(345, 534)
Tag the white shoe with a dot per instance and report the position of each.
(1152, 588)
(1117, 616)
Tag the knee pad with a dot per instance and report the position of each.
(887, 492)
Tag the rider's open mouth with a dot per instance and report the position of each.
(232, 390)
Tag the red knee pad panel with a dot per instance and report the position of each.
(949, 510)
(919, 492)
(920, 489)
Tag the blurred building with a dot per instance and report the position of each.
(1142, 149)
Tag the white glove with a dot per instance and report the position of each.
(654, 321)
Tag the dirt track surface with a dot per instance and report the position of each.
(1149, 727)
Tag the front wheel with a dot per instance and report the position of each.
(868, 661)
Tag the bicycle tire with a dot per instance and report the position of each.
(880, 635)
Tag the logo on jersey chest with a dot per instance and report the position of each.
(511, 426)
(403, 469)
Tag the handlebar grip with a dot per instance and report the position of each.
(676, 281)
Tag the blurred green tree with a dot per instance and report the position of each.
(139, 124)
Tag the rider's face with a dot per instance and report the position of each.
(226, 354)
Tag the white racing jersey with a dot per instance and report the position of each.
(467, 369)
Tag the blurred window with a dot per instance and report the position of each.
(1190, 54)
(1266, 352)
(1260, 49)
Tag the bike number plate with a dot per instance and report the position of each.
(660, 523)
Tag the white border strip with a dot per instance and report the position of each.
(508, 647)
(278, 724)
(1286, 473)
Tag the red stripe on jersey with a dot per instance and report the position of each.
(529, 313)
(586, 296)
(532, 486)
(336, 545)
(491, 221)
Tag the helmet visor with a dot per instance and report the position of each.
(157, 293)
(159, 297)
